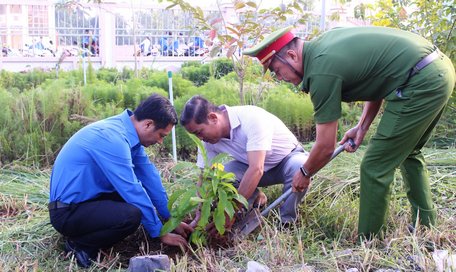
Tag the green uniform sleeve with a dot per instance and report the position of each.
(326, 96)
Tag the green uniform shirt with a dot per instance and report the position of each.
(358, 64)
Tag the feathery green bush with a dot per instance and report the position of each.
(294, 109)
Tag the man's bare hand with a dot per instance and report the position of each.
(183, 229)
(300, 183)
(173, 239)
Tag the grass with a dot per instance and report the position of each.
(324, 239)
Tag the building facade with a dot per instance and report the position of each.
(66, 34)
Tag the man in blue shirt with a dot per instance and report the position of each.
(103, 184)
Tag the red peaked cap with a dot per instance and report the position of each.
(268, 52)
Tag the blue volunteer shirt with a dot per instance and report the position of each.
(107, 157)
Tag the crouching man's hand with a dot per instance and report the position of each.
(174, 239)
(178, 237)
(183, 229)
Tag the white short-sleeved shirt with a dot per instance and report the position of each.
(253, 129)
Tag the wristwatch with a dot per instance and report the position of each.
(304, 172)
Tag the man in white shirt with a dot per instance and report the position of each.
(264, 150)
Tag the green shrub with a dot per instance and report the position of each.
(216, 91)
(37, 114)
(160, 79)
(110, 75)
(294, 109)
(36, 123)
(192, 63)
(196, 74)
(127, 74)
(102, 93)
(23, 81)
(134, 91)
(221, 67)
(444, 135)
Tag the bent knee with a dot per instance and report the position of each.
(133, 215)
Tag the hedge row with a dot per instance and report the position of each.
(40, 111)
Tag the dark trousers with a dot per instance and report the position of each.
(98, 223)
(406, 125)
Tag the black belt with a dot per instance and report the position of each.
(424, 62)
(418, 67)
(57, 205)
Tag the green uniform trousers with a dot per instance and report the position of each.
(406, 125)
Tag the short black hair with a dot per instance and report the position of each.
(292, 45)
(157, 108)
(197, 108)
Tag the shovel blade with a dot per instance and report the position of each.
(249, 223)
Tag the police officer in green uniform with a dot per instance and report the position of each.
(377, 65)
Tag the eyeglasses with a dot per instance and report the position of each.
(272, 71)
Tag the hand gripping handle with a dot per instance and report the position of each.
(288, 192)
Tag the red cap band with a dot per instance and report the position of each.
(276, 46)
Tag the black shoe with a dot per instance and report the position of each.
(411, 229)
(83, 258)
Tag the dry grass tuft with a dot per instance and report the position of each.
(323, 239)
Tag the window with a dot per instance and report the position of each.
(38, 20)
(71, 25)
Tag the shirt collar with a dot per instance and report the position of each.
(132, 135)
(303, 86)
(233, 118)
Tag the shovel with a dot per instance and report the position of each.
(254, 218)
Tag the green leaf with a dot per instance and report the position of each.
(241, 199)
(228, 176)
(239, 5)
(171, 6)
(198, 238)
(214, 183)
(298, 7)
(229, 186)
(205, 213)
(220, 158)
(251, 4)
(174, 196)
(200, 145)
(235, 31)
(196, 200)
(229, 209)
(185, 205)
(219, 219)
(170, 225)
(223, 200)
(184, 166)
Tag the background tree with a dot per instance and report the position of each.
(434, 20)
(249, 25)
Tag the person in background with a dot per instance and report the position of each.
(265, 152)
(196, 47)
(145, 47)
(90, 42)
(103, 184)
(164, 44)
(4, 50)
(400, 70)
